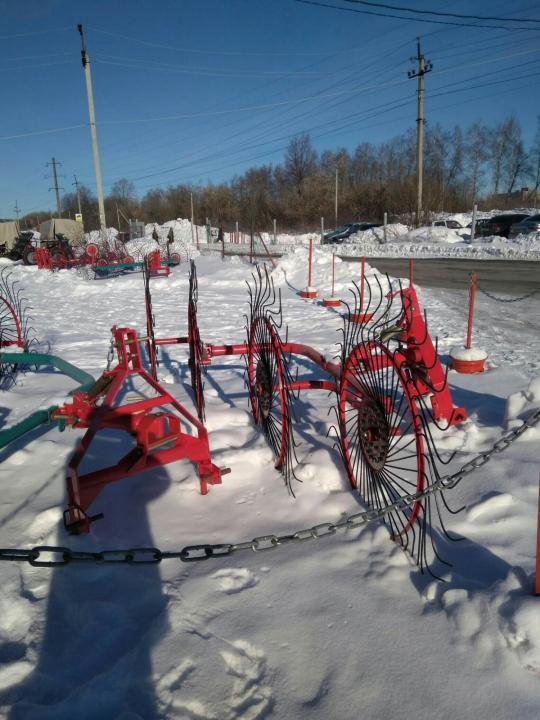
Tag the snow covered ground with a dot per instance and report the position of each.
(342, 627)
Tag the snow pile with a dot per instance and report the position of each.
(429, 235)
(460, 352)
(292, 271)
(521, 404)
(96, 236)
(376, 235)
(141, 247)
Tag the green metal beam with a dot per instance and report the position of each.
(41, 417)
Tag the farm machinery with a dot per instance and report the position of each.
(388, 384)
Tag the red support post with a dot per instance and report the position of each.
(309, 293)
(362, 270)
(472, 294)
(309, 262)
(333, 272)
(361, 316)
(411, 272)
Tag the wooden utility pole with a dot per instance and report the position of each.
(336, 202)
(424, 66)
(53, 165)
(192, 214)
(95, 149)
(77, 184)
(17, 210)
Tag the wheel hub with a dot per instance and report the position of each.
(263, 383)
(373, 434)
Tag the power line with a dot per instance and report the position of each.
(35, 32)
(29, 67)
(400, 17)
(281, 124)
(354, 123)
(209, 51)
(440, 13)
(201, 71)
(33, 57)
(41, 132)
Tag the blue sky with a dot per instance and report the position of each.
(198, 90)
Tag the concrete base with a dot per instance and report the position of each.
(308, 294)
(331, 302)
(468, 367)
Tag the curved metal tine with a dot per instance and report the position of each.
(416, 343)
(427, 434)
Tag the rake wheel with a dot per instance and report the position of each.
(268, 395)
(196, 348)
(14, 325)
(381, 433)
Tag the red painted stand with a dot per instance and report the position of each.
(153, 263)
(469, 367)
(157, 432)
(361, 317)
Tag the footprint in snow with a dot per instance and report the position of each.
(234, 580)
(492, 508)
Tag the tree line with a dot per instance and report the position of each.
(482, 164)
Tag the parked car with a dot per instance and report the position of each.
(530, 224)
(499, 224)
(345, 231)
(452, 224)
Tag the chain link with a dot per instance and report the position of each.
(507, 300)
(54, 556)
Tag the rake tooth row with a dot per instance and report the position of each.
(384, 421)
(268, 375)
(15, 329)
(196, 347)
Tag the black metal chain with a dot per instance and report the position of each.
(508, 300)
(57, 556)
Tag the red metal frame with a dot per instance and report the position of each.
(155, 268)
(158, 435)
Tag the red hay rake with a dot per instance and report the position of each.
(388, 383)
(15, 329)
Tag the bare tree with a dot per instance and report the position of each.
(300, 161)
(477, 154)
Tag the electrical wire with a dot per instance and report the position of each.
(41, 65)
(209, 51)
(201, 71)
(35, 32)
(342, 127)
(42, 132)
(440, 13)
(400, 17)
